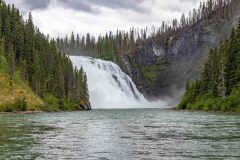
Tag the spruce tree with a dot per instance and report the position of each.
(231, 63)
(11, 63)
(36, 74)
(219, 78)
(29, 45)
(85, 88)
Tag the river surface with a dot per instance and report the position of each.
(147, 134)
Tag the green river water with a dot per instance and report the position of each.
(147, 134)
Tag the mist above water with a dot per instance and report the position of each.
(109, 87)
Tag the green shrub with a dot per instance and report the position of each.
(184, 103)
(18, 105)
(52, 103)
(68, 105)
(17, 77)
(231, 102)
(6, 108)
(150, 72)
(3, 64)
(21, 104)
(205, 102)
(208, 102)
(50, 99)
(217, 105)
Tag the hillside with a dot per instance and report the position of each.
(161, 69)
(31, 54)
(20, 98)
(161, 61)
(15, 95)
(218, 89)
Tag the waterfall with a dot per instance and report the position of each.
(109, 86)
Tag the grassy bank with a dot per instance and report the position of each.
(20, 98)
(208, 102)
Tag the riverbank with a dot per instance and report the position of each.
(204, 111)
(37, 112)
(208, 103)
(22, 108)
(17, 97)
(22, 112)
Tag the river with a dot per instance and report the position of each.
(126, 134)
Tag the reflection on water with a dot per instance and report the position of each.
(17, 137)
(121, 135)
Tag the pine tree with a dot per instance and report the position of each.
(35, 55)
(23, 69)
(231, 63)
(222, 69)
(219, 78)
(6, 27)
(238, 52)
(11, 63)
(3, 61)
(29, 45)
(81, 84)
(85, 88)
(36, 84)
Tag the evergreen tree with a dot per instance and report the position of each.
(35, 55)
(231, 63)
(29, 45)
(11, 62)
(219, 78)
(85, 88)
(36, 74)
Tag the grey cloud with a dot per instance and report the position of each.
(120, 4)
(79, 5)
(191, 1)
(90, 6)
(179, 8)
(35, 4)
(157, 10)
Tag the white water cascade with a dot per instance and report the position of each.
(109, 87)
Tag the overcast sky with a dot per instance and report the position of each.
(61, 17)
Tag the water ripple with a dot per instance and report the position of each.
(149, 134)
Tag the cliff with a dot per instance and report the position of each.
(162, 70)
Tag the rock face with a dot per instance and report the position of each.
(163, 70)
(86, 106)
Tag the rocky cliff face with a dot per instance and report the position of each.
(161, 70)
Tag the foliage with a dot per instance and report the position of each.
(17, 98)
(51, 102)
(220, 78)
(54, 104)
(150, 73)
(112, 46)
(232, 102)
(210, 103)
(20, 104)
(3, 64)
(31, 58)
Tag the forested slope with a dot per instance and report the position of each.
(161, 59)
(163, 64)
(219, 86)
(39, 65)
(16, 95)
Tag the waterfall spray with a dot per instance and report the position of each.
(109, 86)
